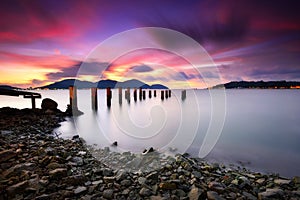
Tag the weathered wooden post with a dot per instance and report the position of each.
(141, 94)
(154, 93)
(150, 94)
(162, 95)
(135, 94)
(183, 95)
(170, 93)
(73, 97)
(94, 99)
(144, 94)
(128, 95)
(120, 96)
(108, 97)
(167, 94)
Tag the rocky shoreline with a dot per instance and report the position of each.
(35, 164)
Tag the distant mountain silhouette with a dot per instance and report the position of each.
(102, 84)
(260, 84)
(8, 87)
(64, 84)
(158, 86)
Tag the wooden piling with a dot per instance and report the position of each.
(150, 94)
(73, 97)
(162, 95)
(170, 93)
(183, 95)
(135, 94)
(120, 96)
(141, 94)
(128, 95)
(108, 97)
(94, 98)
(167, 94)
(154, 93)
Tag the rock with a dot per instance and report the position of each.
(156, 198)
(5, 155)
(108, 179)
(249, 196)
(108, 193)
(296, 180)
(78, 161)
(153, 176)
(49, 104)
(167, 186)
(43, 197)
(17, 169)
(80, 190)
(58, 173)
(212, 195)
(115, 143)
(16, 189)
(54, 165)
(260, 181)
(142, 180)
(74, 180)
(125, 183)
(216, 186)
(195, 193)
(270, 194)
(145, 192)
(282, 181)
(107, 172)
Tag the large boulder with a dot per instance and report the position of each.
(49, 104)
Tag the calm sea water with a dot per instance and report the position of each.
(261, 128)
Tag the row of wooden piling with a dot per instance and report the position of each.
(165, 94)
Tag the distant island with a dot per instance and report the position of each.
(259, 85)
(102, 84)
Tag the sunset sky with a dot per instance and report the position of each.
(46, 41)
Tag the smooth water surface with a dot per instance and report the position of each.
(261, 129)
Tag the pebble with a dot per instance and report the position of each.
(36, 165)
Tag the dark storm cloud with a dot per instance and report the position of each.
(81, 68)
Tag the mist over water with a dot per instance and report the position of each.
(261, 130)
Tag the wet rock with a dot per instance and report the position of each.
(216, 186)
(49, 104)
(195, 193)
(78, 161)
(153, 176)
(80, 190)
(58, 173)
(249, 196)
(282, 181)
(108, 193)
(6, 155)
(270, 194)
(126, 183)
(108, 179)
(16, 189)
(145, 192)
(43, 197)
(167, 186)
(17, 169)
(212, 195)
